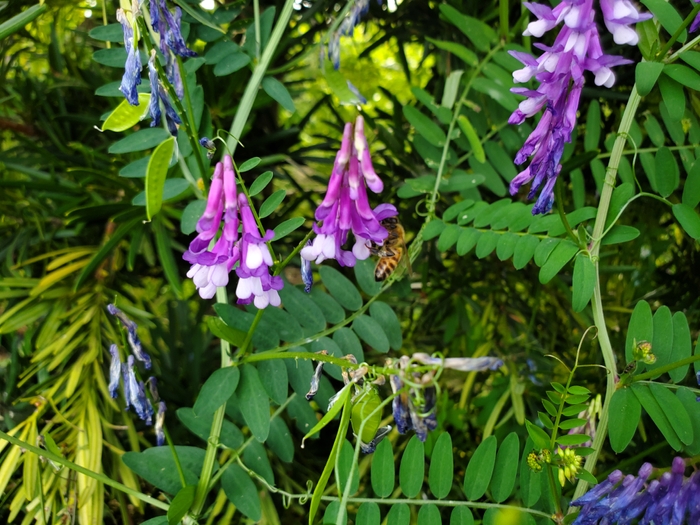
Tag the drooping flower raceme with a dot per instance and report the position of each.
(559, 71)
(132, 67)
(672, 499)
(159, 95)
(346, 207)
(131, 335)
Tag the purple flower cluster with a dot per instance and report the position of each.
(346, 28)
(670, 500)
(133, 66)
(346, 207)
(134, 390)
(559, 71)
(696, 23)
(211, 267)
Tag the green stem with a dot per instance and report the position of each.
(82, 470)
(178, 466)
(163, 78)
(663, 369)
(194, 140)
(256, 14)
(688, 20)
(597, 302)
(251, 90)
(216, 425)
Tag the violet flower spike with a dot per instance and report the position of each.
(132, 67)
(346, 208)
(115, 369)
(559, 71)
(210, 268)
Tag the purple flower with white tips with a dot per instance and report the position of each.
(132, 67)
(115, 369)
(211, 268)
(346, 208)
(559, 71)
(255, 284)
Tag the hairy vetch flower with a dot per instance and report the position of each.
(132, 68)
(211, 267)
(696, 23)
(158, 95)
(347, 26)
(255, 284)
(346, 207)
(307, 275)
(168, 24)
(131, 335)
(559, 71)
(672, 499)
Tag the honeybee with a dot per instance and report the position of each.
(392, 252)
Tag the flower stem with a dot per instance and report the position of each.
(597, 302)
(216, 425)
(688, 20)
(194, 140)
(251, 90)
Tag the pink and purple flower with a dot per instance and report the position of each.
(345, 208)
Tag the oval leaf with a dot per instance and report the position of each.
(625, 410)
(341, 288)
(382, 474)
(478, 474)
(216, 390)
(254, 403)
(441, 470)
(155, 176)
(126, 116)
(506, 469)
(412, 468)
(371, 333)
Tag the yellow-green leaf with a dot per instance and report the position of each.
(125, 115)
(155, 176)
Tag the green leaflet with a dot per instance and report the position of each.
(126, 116)
(506, 469)
(254, 402)
(412, 468)
(441, 470)
(156, 172)
(480, 469)
(625, 410)
(216, 390)
(382, 475)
